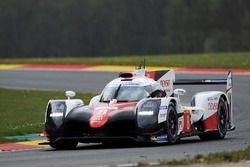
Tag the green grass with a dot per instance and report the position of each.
(212, 158)
(22, 111)
(219, 60)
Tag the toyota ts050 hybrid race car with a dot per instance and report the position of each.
(141, 106)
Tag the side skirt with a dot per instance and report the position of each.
(97, 139)
(194, 132)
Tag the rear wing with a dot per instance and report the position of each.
(228, 82)
(200, 82)
(229, 90)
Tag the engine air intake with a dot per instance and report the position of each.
(126, 75)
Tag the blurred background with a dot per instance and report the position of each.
(84, 28)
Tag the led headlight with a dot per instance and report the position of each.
(147, 113)
(58, 108)
(55, 113)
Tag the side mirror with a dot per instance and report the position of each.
(179, 92)
(70, 94)
(113, 101)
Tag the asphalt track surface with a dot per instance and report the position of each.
(97, 154)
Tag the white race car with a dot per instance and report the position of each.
(141, 106)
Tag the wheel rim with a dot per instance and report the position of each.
(172, 123)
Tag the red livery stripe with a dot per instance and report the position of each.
(210, 124)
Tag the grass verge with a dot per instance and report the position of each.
(213, 158)
(22, 111)
(208, 60)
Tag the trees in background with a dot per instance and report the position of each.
(207, 25)
(39, 28)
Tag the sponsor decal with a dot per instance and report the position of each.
(129, 83)
(180, 124)
(163, 107)
(212, 99)
(160, 138)
(162, 114)
(165, 83)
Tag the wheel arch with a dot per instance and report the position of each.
(223, 96)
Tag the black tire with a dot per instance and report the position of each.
(171, 126)
(64, 144)
(222, 122)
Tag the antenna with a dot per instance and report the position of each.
(144, 63)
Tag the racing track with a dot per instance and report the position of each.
(96, 154)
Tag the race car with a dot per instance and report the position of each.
(140, 106)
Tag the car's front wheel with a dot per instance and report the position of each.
(171, 126)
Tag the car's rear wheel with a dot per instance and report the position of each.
(64, 144)
(171, 126)
(222, 122)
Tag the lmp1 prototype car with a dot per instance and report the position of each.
(140, 106)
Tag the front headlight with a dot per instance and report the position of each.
(58, 109)
(55, 113)
(147, 113)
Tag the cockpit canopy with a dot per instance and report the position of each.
(129, 91)
(124, 93)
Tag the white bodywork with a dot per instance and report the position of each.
(207, 102)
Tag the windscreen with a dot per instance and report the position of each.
(124, 93)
